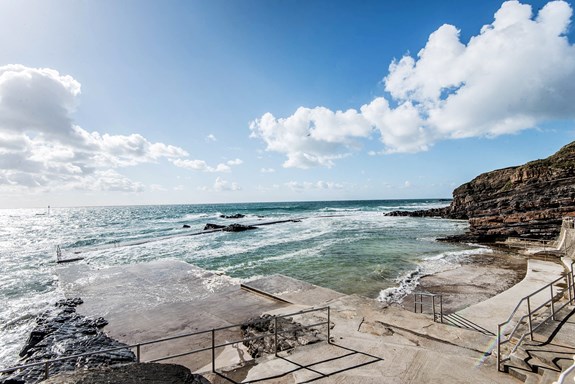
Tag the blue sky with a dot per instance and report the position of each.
(146, 102)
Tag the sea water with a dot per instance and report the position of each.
(349, 246)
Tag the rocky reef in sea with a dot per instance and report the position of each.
(527, 201)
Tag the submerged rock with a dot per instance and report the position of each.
(210, 226)
(236, 216)
(229, 228)
(238, 228)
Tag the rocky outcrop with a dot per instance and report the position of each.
(526, 201)
(291, 334)
(228, 228)
(235, 216)
(433, 212)
(238, 228)
(131, 374)
(210, 227)
(62, 332)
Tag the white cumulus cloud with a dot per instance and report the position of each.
(515, 73)
(307, 186)
(202, 166)
(221, 185)
(41, 146)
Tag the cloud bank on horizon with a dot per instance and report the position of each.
(41, 147)
(519, 71)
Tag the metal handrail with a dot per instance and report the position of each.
(433, 305)
(565, 373)
(213, 346)
(551, 302)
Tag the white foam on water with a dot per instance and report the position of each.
(444, 261)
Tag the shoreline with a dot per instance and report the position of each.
(477, 278)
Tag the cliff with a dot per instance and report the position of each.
(526, 201)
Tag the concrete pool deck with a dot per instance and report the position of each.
(373, 342)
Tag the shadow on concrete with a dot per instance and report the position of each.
(345, 359)
(459, 321)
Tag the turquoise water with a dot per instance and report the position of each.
(349, 246)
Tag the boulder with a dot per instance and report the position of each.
(291, 333)
(236, 216)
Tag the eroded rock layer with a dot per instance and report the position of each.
(526, 201)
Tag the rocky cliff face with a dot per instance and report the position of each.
(526, 201)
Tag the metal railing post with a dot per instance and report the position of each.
(276, 335)
(552, 304)
(569, 286)
(572, 282)
(213, 350)
(433, 305)
(415, 302)
(441, 307)
(530, 320)
(420, 303)
(138, 353)
(498, 347)
(46, 370)
(328, 325)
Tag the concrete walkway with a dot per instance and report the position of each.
(488, 314)
(372, 343)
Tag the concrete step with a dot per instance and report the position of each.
(547, 377)
(554, 356)
(522, 372)
(530, 361)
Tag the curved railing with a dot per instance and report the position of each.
(504, 338)
(563, 376)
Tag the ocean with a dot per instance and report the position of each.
(349, 246)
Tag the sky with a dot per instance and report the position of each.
(181, 102)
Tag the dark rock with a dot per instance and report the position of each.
(131, 374)
(433, 212)
(238, 228)
(291, 334)
(62, 332)
(236, 216)
(186, 226)
(69, 302)
(210, 226)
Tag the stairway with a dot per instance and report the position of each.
(542, 360)
(459, 321)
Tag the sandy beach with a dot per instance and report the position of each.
(476, 279)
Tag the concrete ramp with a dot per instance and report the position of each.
(160, 299)
(489, 313)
